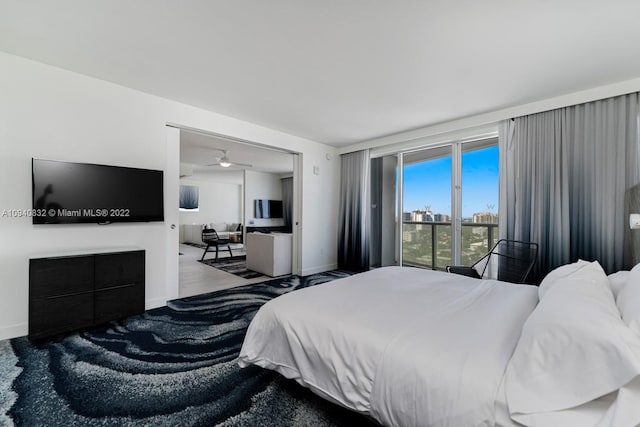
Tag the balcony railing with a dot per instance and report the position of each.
(428, 244)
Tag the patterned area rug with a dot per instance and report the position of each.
(235, 265)
(172, 366)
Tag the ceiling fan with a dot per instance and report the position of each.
(225, 162)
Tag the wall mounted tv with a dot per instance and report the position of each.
(267, 208)
(71, 193)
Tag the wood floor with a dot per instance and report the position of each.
(197, 278)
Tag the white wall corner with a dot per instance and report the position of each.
(319, 269)
(154, 303)
(13, 331)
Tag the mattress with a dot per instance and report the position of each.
(407, 346)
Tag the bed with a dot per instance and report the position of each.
(413, 347)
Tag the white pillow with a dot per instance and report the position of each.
(573, 349)
(220, 226)
(563, 271)
(628, 300)
(618, 280)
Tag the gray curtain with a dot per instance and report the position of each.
(375, 218)
(353, 218)
(287, 202)
(564, 174)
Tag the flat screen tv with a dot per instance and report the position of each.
(71, 193)
(267, 208)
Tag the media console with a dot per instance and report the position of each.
(72, 292)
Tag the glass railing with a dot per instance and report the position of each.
(428, 244)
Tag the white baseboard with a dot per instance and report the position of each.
(319, 269)
(14, 331)
(154, 303)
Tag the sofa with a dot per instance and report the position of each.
(192, 233)
(270, 253)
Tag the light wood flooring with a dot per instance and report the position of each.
(197, 278)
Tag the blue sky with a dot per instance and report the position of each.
(429, 183)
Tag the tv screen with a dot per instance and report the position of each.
(67, 193)
(275, 208)
(267, 208)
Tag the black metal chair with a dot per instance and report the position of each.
(509, 261)
(210, 238)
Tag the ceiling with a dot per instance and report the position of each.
(336, 72)
(203, 152)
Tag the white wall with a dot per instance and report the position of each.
(320, 211)
(46, 112)
(219, 202)
(260, 185)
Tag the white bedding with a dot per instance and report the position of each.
(410, 347)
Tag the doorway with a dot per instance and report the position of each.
(223, 201)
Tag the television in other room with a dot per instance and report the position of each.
(264, 208)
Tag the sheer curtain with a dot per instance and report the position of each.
(564, 174)
(353, 218)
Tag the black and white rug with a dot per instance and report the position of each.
(235, 265)
(172, 366)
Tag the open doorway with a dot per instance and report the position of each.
(228, 186)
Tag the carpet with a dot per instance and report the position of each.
(171, 366)
(235, 265)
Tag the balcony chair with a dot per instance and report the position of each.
(210, 238)
(508, 261)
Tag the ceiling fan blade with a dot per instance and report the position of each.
(231, 164)
(246, 165)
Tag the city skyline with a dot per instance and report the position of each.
(479, 183)
(421, 215)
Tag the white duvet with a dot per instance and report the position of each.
(410, 347)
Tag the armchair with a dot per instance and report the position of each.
(210, 238)
(508, 260)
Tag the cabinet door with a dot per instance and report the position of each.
(53, 315)
(60, 295)
(60, 276)
(118, 303)
(119, 285)
(121, 268)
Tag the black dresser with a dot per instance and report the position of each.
(67, 293)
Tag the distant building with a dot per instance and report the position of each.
(409, 236)
(419, 215)
(441, 218)
(485, 218)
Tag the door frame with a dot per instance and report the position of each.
(172, 219)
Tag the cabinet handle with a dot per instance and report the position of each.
(128, 285)
(68, 295)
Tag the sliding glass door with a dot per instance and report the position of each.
(448, 200)
(427, 208)
(479, 195)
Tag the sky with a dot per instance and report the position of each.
(428, 183)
